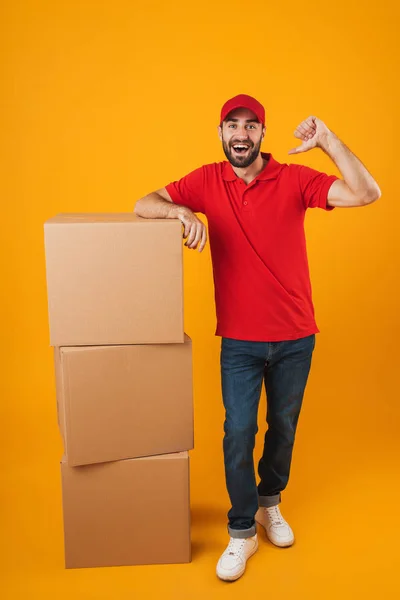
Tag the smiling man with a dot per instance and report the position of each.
(255, 207)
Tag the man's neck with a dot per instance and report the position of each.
(249, 173)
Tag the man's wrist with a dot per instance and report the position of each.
(176, 211)
(327, 141)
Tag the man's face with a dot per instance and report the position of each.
(241, 135)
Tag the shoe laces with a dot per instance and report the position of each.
(275, 515)
(235, 546)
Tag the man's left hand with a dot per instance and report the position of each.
(312, 132)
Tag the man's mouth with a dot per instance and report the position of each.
(240, 148)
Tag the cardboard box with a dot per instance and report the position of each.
(114, 279)
(128, 512)
(117, 402)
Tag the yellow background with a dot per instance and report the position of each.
(102, 102)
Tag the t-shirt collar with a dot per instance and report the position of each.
(270, 171)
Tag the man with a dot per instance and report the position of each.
(255, 207)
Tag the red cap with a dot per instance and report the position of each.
(243, 101)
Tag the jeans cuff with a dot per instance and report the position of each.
(267, 501)
(242, 533)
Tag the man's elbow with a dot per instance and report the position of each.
(372, 195)
(137, 209)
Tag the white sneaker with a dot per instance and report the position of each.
(277, 529)
(232, 563)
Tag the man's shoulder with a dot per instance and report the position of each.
(213, 167)
(211, 172)
(291, 172)
(284, 167)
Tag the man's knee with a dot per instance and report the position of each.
(240, 431)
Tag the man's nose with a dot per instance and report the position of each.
(242, 134)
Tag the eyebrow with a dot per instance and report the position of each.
(247, 120)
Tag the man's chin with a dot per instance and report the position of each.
(241, 163)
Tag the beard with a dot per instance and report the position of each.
(245, 160)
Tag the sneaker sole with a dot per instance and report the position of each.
(235, 577)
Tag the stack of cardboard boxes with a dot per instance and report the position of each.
(123, 368)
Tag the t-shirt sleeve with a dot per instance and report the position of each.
(314, 187)
(189, 190)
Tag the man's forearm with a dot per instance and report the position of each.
(354, 173)
(153, 206)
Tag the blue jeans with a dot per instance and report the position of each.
(284, 367)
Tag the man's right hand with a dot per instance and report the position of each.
(159, 205)
(194, 230)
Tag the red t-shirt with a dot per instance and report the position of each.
(258, 245)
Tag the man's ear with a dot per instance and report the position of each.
(220, 132)
(263, 132)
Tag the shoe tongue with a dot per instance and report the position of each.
(236, 545)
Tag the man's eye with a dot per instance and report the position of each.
(253, 126)
(232, 125)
